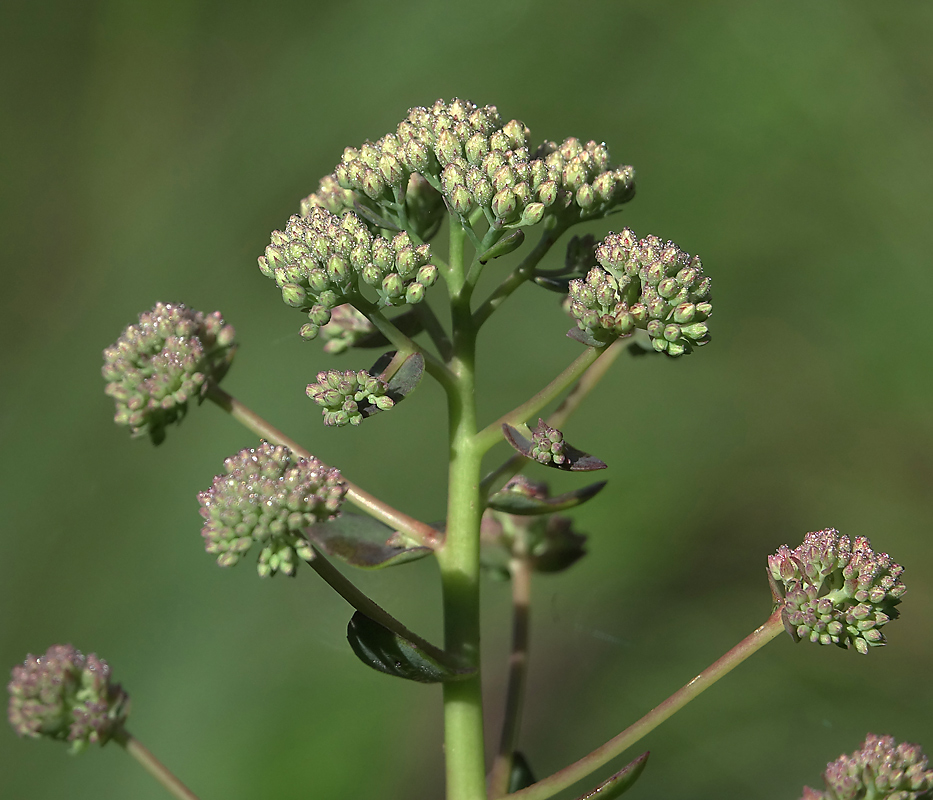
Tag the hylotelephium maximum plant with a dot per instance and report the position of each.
(357, 263)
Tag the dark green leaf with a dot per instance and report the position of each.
(559, 285)
(408, 376)
(619, 783)
(387, 652)
(362, 542)
(520, 777)
(577, 460)
(516, 503)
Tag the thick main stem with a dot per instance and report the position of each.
(459, 557)
(153, 766)
(617, 745)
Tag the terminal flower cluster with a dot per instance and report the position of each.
(881, 770)
(345, 396)
(68, 696)
(548, 445)
(267, 496)
(648, 285)
(837, 591)
(162, 362)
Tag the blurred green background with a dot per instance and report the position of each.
(149, 149)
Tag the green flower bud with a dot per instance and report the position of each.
(66, 696)
(309, 331)
(414, 293)
(393, 285)
(504, 203)
(836, 591)
(294, 295)
(267, 495)
(881, 770)
(159, 364)
(533, 214)
(548, 445)
(348, 397)
(427, 275)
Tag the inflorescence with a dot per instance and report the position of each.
(347, 397)
(159, 364)
(267, 495)
(836, 591)
(548, 445)
(319, 261)
(648, 285)
(881, 770)
(68, 696)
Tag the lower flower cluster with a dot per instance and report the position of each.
(267, 496)
(68, 696)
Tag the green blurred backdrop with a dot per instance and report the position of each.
(148, 150)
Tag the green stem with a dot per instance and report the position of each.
(520, 569)
(616, 746)
(419, 531)
(365, 605)
(590, 379)
(458, 558)
(516, 278)
(153, 766)
(491, 434)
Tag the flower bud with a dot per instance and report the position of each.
(346, 397)
(67, 696)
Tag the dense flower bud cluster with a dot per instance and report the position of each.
(319, 260)
(588, 186)
(344, 396)
(644, 284)
(68, 696)
(548, 445)
(267, 495)
(347, 326)
(881, 770)
(159, 364)
(837, 591)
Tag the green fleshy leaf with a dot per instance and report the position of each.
(559, 285)
(619, 783)
(376, 219)
(521, 776)
(407, 377)
(363, 542)
(577, 460)
(507, 244)
(387, 652)
(515, 503)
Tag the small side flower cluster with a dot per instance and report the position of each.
(267, 495)
(881, 770)
(346, 396)
(68, 696)
(159, 364)
(644, 284)
(837, 591)
(548, 445)
(319, 259)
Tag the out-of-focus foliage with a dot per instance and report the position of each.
(148, 151)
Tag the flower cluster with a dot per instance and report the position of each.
(882, 770)
(159, 364)
(267, 495)
(588, 185)
(347, 397)
(837, 591)
(68, 696)
(548, 445)
(644, 284)
(319, 260)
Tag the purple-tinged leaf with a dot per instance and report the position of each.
(363, 542)
(621, 782)
(523, 505)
